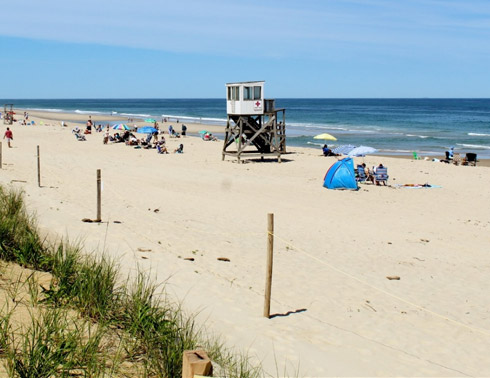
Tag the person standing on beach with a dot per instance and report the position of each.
(9, 136)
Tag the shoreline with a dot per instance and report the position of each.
(55, 118)
(192, 128)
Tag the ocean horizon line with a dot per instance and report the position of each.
(223, 98)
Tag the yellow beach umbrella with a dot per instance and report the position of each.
(325, 136)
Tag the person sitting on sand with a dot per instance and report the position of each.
(88, 129)
(161, 142)
(174, 134)
(132, 140)
(161, 149)
(450, 154)
(179, 150)
(209, 136)
(326, 150)
(117, 138)
(125, 136)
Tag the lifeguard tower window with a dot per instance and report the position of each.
(234, 93)
(252, 93)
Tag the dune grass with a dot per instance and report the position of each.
(118, 325)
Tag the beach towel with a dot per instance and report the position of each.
(417, 186)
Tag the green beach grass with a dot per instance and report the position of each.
(81, 320)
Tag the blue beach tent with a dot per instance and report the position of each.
(341, 175)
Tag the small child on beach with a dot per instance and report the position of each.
(179, 150)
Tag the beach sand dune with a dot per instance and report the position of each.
(335, 312)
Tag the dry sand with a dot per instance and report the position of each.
(336, 313)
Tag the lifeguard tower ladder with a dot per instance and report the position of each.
(8, 114)
(252, 125)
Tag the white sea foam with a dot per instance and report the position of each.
(135, 115)
(417, 136)
(478, 134)
(475, 146)
(317, 126)
(87, 112)
(394, 150)
(195, 119)
(48, 110)
(363, 131)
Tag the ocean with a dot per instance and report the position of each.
(393, 126)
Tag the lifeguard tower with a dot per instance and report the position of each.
(253, 125)
(8, 114)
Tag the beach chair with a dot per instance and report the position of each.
(80, 137)
(381, 175)
(471, 159)
(416, 156)
(361, 174)
(147, 142)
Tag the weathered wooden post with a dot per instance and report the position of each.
(38, 168)
(268, 274)
(99, 198)
(196, 362)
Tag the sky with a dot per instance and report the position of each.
(191, 48)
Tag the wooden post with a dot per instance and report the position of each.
(268, 274)
(99, 198)
(38, 168)
(1, 155)
(196, 363)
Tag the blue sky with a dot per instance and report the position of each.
(191, 48)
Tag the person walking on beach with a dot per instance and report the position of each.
(9, 136)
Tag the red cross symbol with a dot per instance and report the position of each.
(257, 104)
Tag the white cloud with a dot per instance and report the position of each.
(274, 28)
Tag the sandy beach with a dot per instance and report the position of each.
(335, 313)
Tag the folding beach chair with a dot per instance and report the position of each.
(471, 159)
(381, 175)
(416, 156)
(80, 137)
(361, 174)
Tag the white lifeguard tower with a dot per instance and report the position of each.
(8, 114)
(252, 124)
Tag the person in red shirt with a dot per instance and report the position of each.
(9, 136)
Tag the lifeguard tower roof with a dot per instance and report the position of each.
(245, 98)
